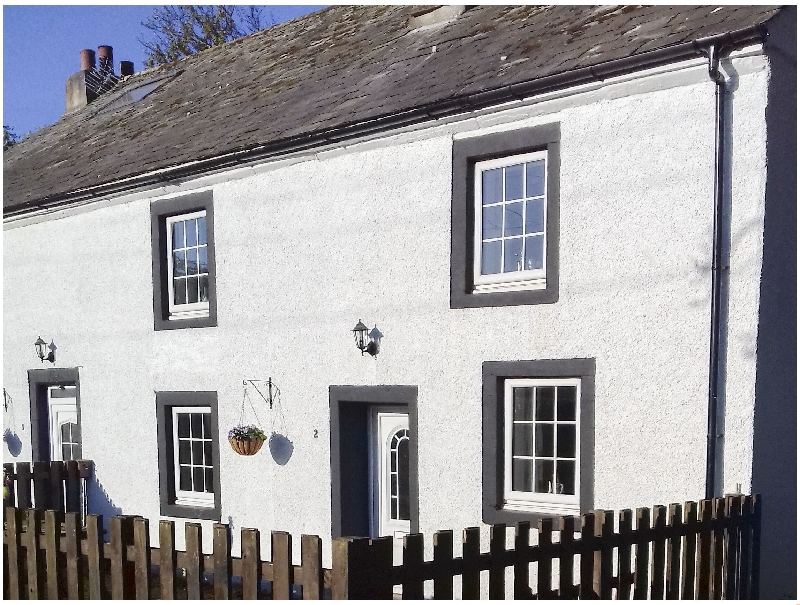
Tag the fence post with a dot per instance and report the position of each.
(604, 553)
(73, 551)
(52, 541)
(141, 556)
(167, 560)
(674, 552)
(14, 518)
(732, 508)
(658, 556)
(195, 565)
(703, 580)
(443, 560)
(746, 561)
(94, 555)
(251, 563)
(24, 485)
(642, 570)
(587, 558)
(222, 562)
(41, 485)
(73, 488)
(497, 570)
(624, 554)
(35, 556)
(522, 543)
(311, 555)
(470, 552)
(10, 477)
(687, 577)
(57, 486)
(544, 570)
(350, 569)
(717, 586)
(413, 556)
(123, 575)
(281, 565)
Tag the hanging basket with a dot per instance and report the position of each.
(246, 447)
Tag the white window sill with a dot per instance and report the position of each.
(201, 502)
(543, 508)
(179, 315)
(511, 286)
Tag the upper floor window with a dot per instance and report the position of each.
(187, 262)
(184, 294)
(504, 248)
(510, 235)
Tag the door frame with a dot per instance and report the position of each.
(402, 398)
(38, 382)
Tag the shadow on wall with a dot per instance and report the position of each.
(13, 442)
(281, 448)
(99, 503)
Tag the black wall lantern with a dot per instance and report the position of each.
(40, 348)
(367, 340)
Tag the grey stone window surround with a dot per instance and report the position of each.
(159, 212)
(494, 375)
(38, 381)
(380, 395)
(165, 401)
(466, 153)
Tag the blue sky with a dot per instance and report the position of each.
(42, 44)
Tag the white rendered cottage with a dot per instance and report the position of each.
(583, 296)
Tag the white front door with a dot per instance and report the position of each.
(390, 455)
(65, 432)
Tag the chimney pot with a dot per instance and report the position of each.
(126, 68)
(87, 59)
(105, 54)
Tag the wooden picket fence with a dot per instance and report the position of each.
(705, 550)
(59, 486)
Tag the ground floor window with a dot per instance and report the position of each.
(538, 438)
(188, 454)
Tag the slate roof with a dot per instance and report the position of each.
(339, 66)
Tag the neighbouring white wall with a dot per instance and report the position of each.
(305, 250)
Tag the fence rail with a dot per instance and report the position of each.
(699, 550)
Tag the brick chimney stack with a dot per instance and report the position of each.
(92, 81)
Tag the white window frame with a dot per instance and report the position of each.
(187, 310)
(555, 504)
(535, 279)
(182, 497)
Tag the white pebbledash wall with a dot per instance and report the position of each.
(307, 247)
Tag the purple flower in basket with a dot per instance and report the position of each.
(246, 432)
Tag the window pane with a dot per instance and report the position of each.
(513, 219)
(545, 400)
(201, 230)
(207, 453)
(186, 479)
(183, 425)
(522, 441)
(565, 477)
(178, 263)
(191, 262)
(204, 288)
(210, 480)
(566, 403)
(393, 462)
(179, 289)
(197, 426)
(207, 433)
(523, 403)
(492, 186)
(177, 235)
(534, 216)
(490, 257)
(184, 452)
(192, 293)
(66, 452)
(521, 471)
(76, 433)
(202, 259)
(513, 255)
(544, 476)
(199, 475)
(492, 222)
(566, 441)
(197, 453)
(544, 439)
(534, 252)
(403, 479)
(65, 436)
(535, 178)
(514, 182)
(76, 452)
(191, 232)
